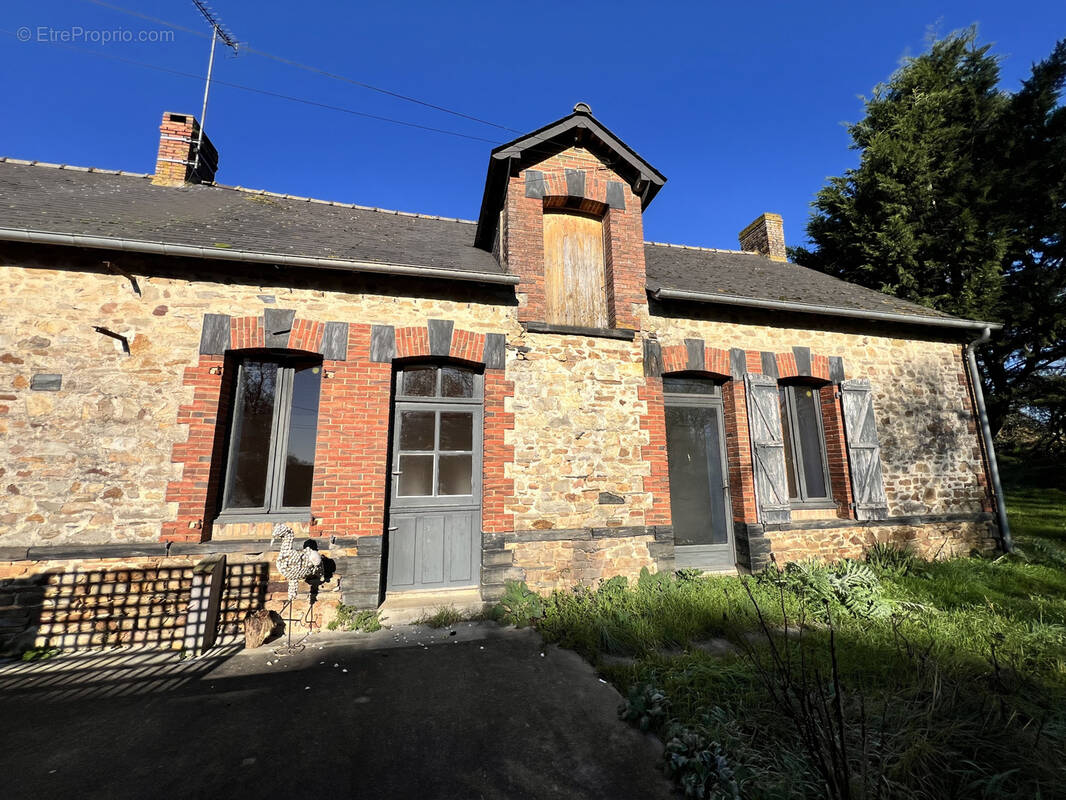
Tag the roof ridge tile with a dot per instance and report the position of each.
(49, 165)
(702, 249)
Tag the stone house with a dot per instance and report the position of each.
(442, 405)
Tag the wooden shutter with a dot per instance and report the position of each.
(864, 450)
(574, 284)
(767, 448)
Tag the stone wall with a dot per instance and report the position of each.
(931, 453)
(551, 560)
(575, 484)
(577, 433)
(91, 462)
(931, 540)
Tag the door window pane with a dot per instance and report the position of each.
(786, 431)
(416, 430)
(456, 430)
(455, 475)
(253, 420)
(809, 422)
(697, 485)
(419, 382)
(303, 426)
(416, 476)
(456, 382)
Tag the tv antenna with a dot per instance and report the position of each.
(218, 31)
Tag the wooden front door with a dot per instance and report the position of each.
(434, 531)
(699, 487)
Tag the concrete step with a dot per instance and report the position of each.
(403, 608)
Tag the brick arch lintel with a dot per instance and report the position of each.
(591, 190)
(361, 355)
(695, 355)
(282, 329)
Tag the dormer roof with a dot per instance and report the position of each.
(578, 128)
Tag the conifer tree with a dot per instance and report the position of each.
(959, 204)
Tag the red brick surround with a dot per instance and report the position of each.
(654, 453)
(348, 495)
(623, 235)
(675, 358)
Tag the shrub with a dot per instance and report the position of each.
(350, 618)
(646, 707)
(519, 606)
(891, 559)
(699, 765)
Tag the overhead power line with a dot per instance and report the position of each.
(289, 62)
(265, 92)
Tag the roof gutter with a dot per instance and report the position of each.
(227, 254)
(828, 311)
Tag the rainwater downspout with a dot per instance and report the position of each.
(986, 436)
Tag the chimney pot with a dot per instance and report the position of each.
(178, 134)
(766, 236)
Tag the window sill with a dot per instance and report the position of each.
(231, 518)
(576, 330)
(813, 505)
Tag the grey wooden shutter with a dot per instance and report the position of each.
(864, 450)
(767, 448)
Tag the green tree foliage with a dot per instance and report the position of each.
(959, 204)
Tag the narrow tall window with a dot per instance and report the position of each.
(805, 459)
(271, 458)
(574, 283)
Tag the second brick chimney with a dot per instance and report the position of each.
(766, 235)
(174, 165)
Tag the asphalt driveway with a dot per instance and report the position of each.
(483, 712)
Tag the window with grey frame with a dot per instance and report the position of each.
(437, 436)
(270, 459)
(806, 465)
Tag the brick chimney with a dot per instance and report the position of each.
(177, 153)
(766, 235)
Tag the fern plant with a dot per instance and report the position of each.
(849, 585)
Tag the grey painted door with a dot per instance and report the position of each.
(434, 532)
(699, 488)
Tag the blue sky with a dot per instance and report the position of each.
(741, 106)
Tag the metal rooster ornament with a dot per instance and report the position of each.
(295, 565)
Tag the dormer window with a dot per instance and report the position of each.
(575, 290)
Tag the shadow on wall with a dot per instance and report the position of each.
(78, 609)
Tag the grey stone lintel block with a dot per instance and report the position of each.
(495, 351)
(277, 325)
(440, 336)
(382, 343)
(214, 335)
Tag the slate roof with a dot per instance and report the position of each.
(122, 205)
(128, 206)
(753, 276)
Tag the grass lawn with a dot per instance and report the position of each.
(897, 678)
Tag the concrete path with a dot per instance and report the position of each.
(411, 712)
